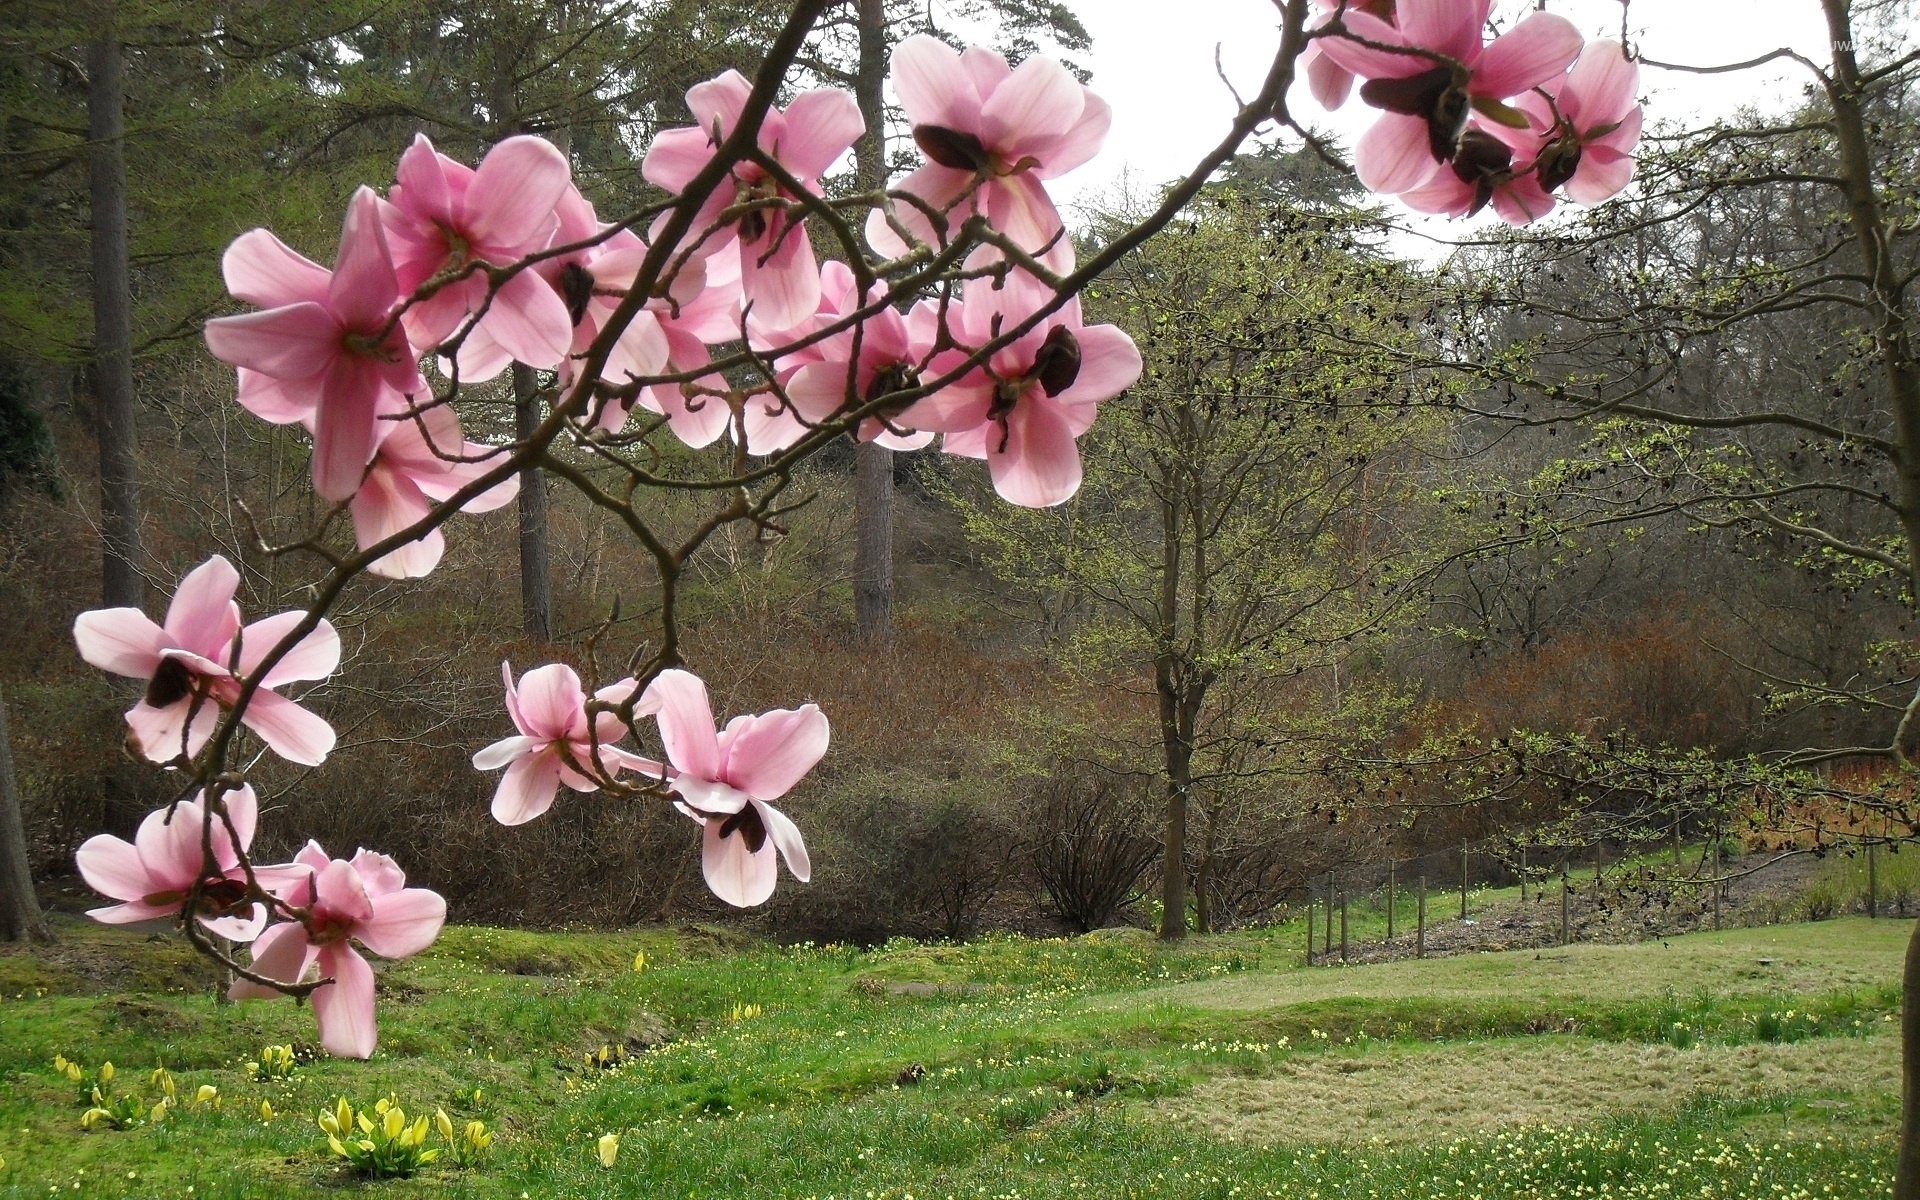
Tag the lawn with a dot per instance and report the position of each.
(1747, 1063)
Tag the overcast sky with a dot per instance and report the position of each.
(1153, 60)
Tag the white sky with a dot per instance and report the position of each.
(1153, 60)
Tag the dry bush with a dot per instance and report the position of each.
(1092, 842)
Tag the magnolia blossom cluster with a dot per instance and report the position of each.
(507, 262)
(189, 860)
(1467, 121)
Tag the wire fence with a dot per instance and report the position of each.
(1534, 895)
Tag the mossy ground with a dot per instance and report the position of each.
(1750, 1063)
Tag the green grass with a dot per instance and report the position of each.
(1003, 1067)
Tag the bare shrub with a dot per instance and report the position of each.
(1091, 843)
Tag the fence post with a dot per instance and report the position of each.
(1718, 888)
(1566, 926)
(1343, 927)
(1523, 874)
(1311, 905)
(1873, 884)
(1326, 942)
(1420, 940)
(1390, 901)
(1463, 881)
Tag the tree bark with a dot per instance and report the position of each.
(20, 916)
(536, 584)
(121, 581)
(873, 465)
(1892, 335)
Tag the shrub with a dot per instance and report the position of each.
(1091, 843)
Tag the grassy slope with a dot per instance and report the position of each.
(1101, 1064)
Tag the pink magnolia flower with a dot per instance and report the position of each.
(885, 355)
(414, 470)
(366, 900)
(193, 665)
(726, 781)
(1329, 81)
(442, 216)
(1025, 409)
(1482, 171)
(322, 350)
(1585, 136)
(982, 122)
(557, 743)
(669, 335)
(152, 874)
(1427, 103)
(777, 267)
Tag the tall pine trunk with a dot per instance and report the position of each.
(20, 916)
(536, 582)
(121, 581)
(873, 464)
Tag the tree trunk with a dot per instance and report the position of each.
(121, 581)
(20, 916)
(536, 586)
(873, 465)
(1892, 335)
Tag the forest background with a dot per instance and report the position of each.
(1608, 492)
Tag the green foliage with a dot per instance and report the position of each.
(1068, 1050)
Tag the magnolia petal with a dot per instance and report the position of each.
(295, 341)
(1037, 463)
(363, 289)
(1080, 143)
(686, 723)
(1029, 114)
(283, 952)
(502, 752)
(263, 270)
(277, 401)
(786, 836)
(1528, 55)
(821, 124)
(529, 321)
(112, 867)
(346, 427)
(1600, 87)
(132, 912)
(288, 729)
(1366, 61)
(773, 753)
(527, 789)
(779, 276)
(552, 702)
(1109, 364)
(1330, 82)
(1450, 27)
(736, 875)
(1394, 155)
(240, 927)
(675, 157)
(718, 102)
(202, 617)
(344, 1008)
(121, 640)
(510, 204)
(156, 732)
(403, 922)
(933, 85)
(315, 656)
(1603, 173)
(378, 872)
